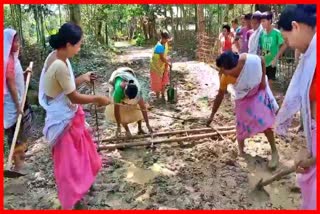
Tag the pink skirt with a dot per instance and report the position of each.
(308, 181)
(158, 83)
(254, 114)
(76, 162)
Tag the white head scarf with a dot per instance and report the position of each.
(7, 44)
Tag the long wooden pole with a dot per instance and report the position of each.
(152, 142)
(169, 133)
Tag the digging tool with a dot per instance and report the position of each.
(96, 115)
(259, 186)
(8, 173)
(172, 91)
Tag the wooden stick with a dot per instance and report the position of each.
(178, 139)
(275, 177)
(16, 132)
(167, 133)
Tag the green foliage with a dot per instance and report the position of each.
(140, 40)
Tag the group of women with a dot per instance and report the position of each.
(75, 157)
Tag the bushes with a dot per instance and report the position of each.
(140, 40)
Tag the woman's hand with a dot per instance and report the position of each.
(304, 161)
(88, 77)
(262, 85)
(19, 110)
(28, 70)
(102, 101)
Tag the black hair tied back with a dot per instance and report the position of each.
(68, 33)
(227, 60)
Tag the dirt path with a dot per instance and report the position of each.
(203, 174)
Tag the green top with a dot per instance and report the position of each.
(270, 44)
(118, 93)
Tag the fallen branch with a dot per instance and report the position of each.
(178, 139)
(168, 133)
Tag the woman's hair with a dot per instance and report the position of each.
(131, 90)
(68, 33)
(164, 35)
(302, 13)
(248, 16)
(227, 27)
(256, 15)
(267, 15)
(227, 60)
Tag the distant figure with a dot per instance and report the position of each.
(159, 66)
(226, 39)
(257, 28)
(271, 44)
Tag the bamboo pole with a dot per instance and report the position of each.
(168, 133)
(152, 142)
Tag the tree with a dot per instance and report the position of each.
(75, 15)
(200, 19)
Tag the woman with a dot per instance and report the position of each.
(126, 93)
(75, 157)
(255, 105)
(159, 66)
(253, 42)
(226, 39)
(298, 27)
(243, 34)
(14, 89)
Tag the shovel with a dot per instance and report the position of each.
(258, 189)
(96, 115)
(171, 92)
(8, 173)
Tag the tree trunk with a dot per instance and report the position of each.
(60, 19)
(200, 18)
(98, 32)
(165, 18)
(106, 32)
(36, 18)
(13, 16)
(196, 17)
(19, 19)
(144, 25)
(75, 15)
(42, 38)
(227, 9)
(173, 28)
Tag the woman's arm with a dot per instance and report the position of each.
(77, 98)
(11, 83)
(164, 59)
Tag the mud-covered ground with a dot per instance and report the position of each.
(203, 174)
